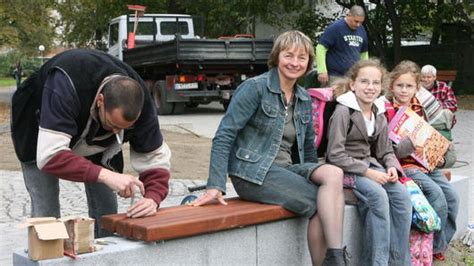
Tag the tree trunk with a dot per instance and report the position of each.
(396, 29)
(438, 20)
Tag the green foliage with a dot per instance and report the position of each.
(312, 23)
(8, 34)
(26, 24)
(8, 61)
(85, 22)
(237, 16)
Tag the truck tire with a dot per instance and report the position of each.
(192, 105)
(225, 104)
(178, 108)
(159, 96)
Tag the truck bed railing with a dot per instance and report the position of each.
(203, 52)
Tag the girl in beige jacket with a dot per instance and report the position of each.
(359, 144)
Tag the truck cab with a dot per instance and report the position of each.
(152, 28)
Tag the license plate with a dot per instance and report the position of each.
(186, 86)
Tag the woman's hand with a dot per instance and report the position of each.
(209, 196)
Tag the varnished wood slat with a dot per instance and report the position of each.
(182, 221)
(109, 222)
(349, 196)
(215, 218)
(195, 215)
(168, 215)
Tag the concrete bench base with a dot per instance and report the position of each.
(276, 243)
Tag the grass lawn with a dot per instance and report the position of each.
(7, 82)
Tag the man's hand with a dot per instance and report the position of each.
(323, 79)
(377, 176)
(124, 184)
(392, 174)
(144, 207)
(210, 195)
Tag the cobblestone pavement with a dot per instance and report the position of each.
(15, 203)
(15, 206)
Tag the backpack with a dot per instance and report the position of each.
(323, 106)
(26, 103)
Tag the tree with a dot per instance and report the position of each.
(84, 22)
(386, 28)
(24, 27)
(232, 17)
(8, 34)
(312, 22)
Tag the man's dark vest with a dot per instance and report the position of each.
(86, 69)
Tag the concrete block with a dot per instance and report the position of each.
(231, 247)
(283, 243)
(461, 184)
(352, 234)
(289, 240)
(277, 243)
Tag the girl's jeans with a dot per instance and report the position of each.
(44, 193)
(444, 200)
(386, 212)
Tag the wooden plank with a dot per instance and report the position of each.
(182, 221)
(349, 196)
(209, 218)
(109, 222)
(126, 227)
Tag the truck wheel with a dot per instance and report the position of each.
(192, 105)
(178, 108)
(226, 103)
(159, 96)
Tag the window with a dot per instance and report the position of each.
(143, 28)
(113, 34)
(169, 28)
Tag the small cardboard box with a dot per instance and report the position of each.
(45, 237)
(81, 234)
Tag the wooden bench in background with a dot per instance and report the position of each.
(448, 76)
(184, 221)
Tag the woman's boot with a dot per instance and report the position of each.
(336, 256)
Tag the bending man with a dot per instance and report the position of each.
(69, 120)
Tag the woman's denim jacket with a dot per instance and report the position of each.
(250, 133)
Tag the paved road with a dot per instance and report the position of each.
(15, 202)
(203, 121)
(6, 94)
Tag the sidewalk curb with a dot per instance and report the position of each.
(4, 128)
